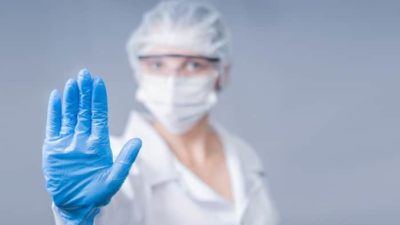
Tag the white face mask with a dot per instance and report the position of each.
(177, 102)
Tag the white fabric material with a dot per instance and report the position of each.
(178, 102)
(160, 190)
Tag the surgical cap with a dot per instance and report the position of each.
(186, 25)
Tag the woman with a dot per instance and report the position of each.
(190, 170)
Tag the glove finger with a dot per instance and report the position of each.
(125, 159)
(70, 106)
(99, 109)
(53, 124)
(85, 82)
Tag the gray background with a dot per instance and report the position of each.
(315, 88)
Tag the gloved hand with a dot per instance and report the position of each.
(77, 159)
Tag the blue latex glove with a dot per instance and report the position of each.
(77, 159)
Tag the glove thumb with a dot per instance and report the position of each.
(125, 159)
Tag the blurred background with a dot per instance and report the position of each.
(314, 88)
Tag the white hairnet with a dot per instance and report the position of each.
(183, 24)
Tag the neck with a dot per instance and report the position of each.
(191, 145)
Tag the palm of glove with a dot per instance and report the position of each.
(77, 160)
(77, 174)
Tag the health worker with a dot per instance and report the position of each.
(173, 165)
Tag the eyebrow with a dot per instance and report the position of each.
(211, 59)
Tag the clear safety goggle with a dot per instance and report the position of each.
(177, 64)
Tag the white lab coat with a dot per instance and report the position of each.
(160, 190)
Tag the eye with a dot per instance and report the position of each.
(156, 65)
(193, 66)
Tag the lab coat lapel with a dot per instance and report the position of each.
(249, 170)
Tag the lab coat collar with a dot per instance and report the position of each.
(159, 162)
